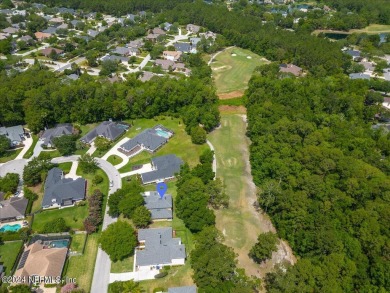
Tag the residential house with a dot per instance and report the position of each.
(165, 64)
(193, 28)
(355, 54)
(92, 33)
(359, 76)
(167, 26)
(124, 51)
(115, 58)
(73, 76)
(75, 22)
(63, 26)
(14, 133)
(151, 139)
(290, 68)
(28, 39)
(61, 191)
(107, 129)
(184, 289)
(369, 67)
(152, 37)
(158, 31)
(50, 30)
(58, 131)
(142, 13)
(160, 207)
(40, 260)
(158, 248)
(135, 44)
(12, 209)
(146, 76)
(2, 270)
(183, 47)
(47, 51)
(56, 20)
(207, 35)
(386, 103)
(172, 55)
(180, 67)
(62, 10)
(194, 41)
(10, 30)
(163, 168)
(131, 17)
(42, 36)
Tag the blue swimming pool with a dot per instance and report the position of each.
(59, 243)
(12, 228)
(163, 133)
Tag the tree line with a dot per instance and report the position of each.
(323, 175)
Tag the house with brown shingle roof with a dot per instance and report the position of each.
(47, 51)
(172, 55)
(40, 260)
(41, 36)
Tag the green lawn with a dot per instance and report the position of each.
(65, 167)
(180, 143)
(73, 217)
(8, 254)
(30, 151)
(9, 155)
(373, 28)
(82, 267)
(232, 73)
(78, 242)
(123, 266)
(49, 154)
(114, 160)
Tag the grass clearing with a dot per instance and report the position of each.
(123, 266)
(9, 155)
(65, 167)
(82, 267)
(114, 160)
(240, 223)
(232, 69)
(373, 29)
(49, 154)
(8, 254)
(30, 151)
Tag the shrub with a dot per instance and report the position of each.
(161, 275)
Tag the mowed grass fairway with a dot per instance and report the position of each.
(232, 73)
(240, 223)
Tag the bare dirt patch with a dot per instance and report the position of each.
(231, 95)
(232, 109)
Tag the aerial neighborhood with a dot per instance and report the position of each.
(194, 146)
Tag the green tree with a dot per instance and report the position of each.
(5, 144)
(102, 143)
(108, 67)
(129, 203)
(19, 289)
(36, 170)
(198, 135)
(65, 144)
(217, 195)
(266, 244)
(141, 217)
(113, 238)
(9, 183)
(97, 179)
(125, 287)
(55, 226)
(88, 164)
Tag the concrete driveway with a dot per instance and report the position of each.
(27, 144)
(114, 151)
(145, 168)
(37, 149)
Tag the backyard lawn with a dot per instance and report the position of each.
(82, 267)
(77, 242)
(9, 155)
(73, 216)
(8, 254)
(233, 68)
(179, 144)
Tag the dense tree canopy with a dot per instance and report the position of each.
(35, 171)
(323, 173)
(118, 240)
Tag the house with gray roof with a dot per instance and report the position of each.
(163, 168)
(184, 289)
(14, 133)
(60, 130)
(359, 76)
(61, 191)
(183, 47)
(115, 58)
(151, 139)
(160, 207)
(157, 249)
(107, 129)
(355, 54)
(193, 28)
(12, 209)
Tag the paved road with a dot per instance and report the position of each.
(179, 37)
(14, 166)
(214, 159)
(29, 52)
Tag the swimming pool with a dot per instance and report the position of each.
(59, 243)
(163, 133)
(12, 228)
